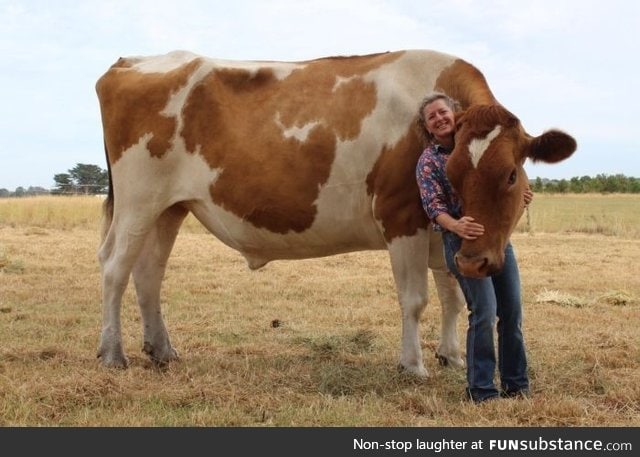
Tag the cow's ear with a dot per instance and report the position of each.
(551, 147)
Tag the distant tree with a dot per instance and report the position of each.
(576, 185)
(4, 193)
(64, 184)
(586, 183)
(83, 178)
(20, 192)
(90, 178)
(620, 183)
(36, 190)
(538, 185)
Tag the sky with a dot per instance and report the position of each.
(572, 65)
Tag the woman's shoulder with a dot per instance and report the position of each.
(428, 155)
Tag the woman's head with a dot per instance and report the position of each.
(436, 121)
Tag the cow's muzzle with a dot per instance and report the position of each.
(476, 266)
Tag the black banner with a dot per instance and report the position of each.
(309, 442)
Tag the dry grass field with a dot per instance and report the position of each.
(312, 342)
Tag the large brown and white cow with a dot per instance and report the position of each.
(281, 160)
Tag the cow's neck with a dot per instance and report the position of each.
(464, 83)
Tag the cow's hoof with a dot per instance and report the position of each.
(453, 362)
(161, 356)
(419, 372)
(110, 360)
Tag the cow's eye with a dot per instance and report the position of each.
(512, 177)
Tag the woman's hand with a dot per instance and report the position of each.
(528, 196)
(466, 228)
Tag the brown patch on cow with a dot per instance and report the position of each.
(466, 84)
(393, 182)
(235, 118)
(481, 119)
(131, 104)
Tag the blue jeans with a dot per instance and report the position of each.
(488, 298)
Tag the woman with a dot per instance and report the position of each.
(496, 296)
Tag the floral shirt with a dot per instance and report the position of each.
(436, 192)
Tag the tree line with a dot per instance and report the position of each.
(83, 179)
(87, 179)
(602, 183)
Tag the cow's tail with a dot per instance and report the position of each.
(107, 206)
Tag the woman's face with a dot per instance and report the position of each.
(439, 121)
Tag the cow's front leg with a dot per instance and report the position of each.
(452, 303)
(409, 265)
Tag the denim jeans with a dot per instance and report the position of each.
(487, 298)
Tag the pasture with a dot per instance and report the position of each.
(312, 342)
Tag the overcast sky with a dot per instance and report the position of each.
(554, 63)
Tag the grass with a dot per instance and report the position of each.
(614, 215)
(312, 342)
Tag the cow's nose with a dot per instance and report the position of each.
(472, 266)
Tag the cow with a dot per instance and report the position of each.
(279, 160)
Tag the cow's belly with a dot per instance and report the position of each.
(332, 233)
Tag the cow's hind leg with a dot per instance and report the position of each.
(148, 273)
(409, 265)
(118, 253)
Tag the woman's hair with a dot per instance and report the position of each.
(427, 137)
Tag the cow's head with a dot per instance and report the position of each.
(486, 170)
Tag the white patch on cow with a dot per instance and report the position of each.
(178, 99)
(184, 177)
(397, 84)
(162, 63)
(478, 146)
(299, 133)
(340, 80)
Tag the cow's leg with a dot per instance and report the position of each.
(452, 303)
(118, 253)
(409, 265)
(148, 273)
